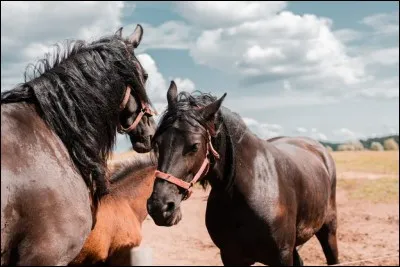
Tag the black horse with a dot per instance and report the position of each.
(57, 130)
(267, 196)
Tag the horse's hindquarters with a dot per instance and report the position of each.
(44, 226)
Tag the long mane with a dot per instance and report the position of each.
(77, 92)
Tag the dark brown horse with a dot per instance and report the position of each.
(267, 197)
(120, 214)
(57, 130)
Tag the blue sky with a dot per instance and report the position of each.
(328, 70)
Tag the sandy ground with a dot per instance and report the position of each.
(365, 231)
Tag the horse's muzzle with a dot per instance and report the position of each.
(141, 144)
(164, 214)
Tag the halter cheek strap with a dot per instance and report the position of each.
(200, 173)
(143, 110)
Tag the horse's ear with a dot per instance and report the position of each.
(208, 112)
(172, 94)
(119, 32)
(136, 36)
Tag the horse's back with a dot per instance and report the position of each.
(44, 201)
(305, 149)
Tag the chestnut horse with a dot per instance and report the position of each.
(267, 196)
(57, 130)
(120, 214)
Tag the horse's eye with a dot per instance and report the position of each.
(146, 76)
(195, 147)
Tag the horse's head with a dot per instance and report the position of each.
(136, 115)
(183, 145)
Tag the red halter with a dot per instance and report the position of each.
(205, 166)
(143, 110)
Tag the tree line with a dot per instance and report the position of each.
(390, 142)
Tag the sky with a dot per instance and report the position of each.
(327, 70)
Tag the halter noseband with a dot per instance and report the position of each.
(144, 109)
(189, 186)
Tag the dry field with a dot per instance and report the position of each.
(368, 213)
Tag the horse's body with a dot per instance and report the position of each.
(56, 132)
(267, 197)
(120, 215)
(281, 197)
(37, 176)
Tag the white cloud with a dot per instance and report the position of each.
(301, 130)
(286, 99)
(384, 56)
(387, 88)
(321, 137)
(184, 84)
(266, 130)
(261, 42)
(157, 86)
(312, 133)
(263, 130)
(168, 35)
(344, 132)
(283, 45)
(383, 23)
(214, 14)
(38, 26)
(348, 35)
(317, 135)
(347, 134)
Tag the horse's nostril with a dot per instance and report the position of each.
(170, 206)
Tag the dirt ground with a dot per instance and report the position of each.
(368, 214)
(365, 230)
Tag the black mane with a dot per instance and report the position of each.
(184, 109)
(78, 93)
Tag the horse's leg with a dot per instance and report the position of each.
(230, 258)
(327, 238)
(285, 257)
(297, 261)
(327, 234)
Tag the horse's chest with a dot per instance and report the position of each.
(232, 225)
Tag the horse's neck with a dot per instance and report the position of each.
(235, 146)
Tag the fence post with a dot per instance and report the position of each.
(141, 256)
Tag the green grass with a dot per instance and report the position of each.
(383, 190)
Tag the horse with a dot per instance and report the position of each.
(267, 196)
(120, 214)
(57, 129)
